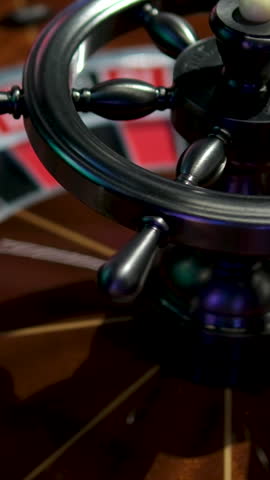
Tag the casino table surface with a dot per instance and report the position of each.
(78, 399)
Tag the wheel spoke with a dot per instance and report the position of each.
(170, 32)
(123, 99)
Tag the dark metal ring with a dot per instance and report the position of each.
(103, 179)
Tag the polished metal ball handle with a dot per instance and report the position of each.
(183, 211)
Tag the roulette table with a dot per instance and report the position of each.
(79, 398)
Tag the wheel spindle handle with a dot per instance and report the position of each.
(11, 101)
(123, 99)
(204, 160)
(171, 33)
(123, 277)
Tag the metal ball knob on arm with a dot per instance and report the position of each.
(257, 11)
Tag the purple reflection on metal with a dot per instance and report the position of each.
(184, 216)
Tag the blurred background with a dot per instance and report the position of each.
(19, 26)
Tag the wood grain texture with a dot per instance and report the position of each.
(53, 385)
(167, 439)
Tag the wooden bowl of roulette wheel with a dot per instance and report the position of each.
(78, 397)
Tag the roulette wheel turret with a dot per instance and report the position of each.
(196, 275)
(217, 204)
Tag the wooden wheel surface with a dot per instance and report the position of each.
(78, 399)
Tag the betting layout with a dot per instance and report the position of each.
(150, 142)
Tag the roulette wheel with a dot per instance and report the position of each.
(92, 388)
